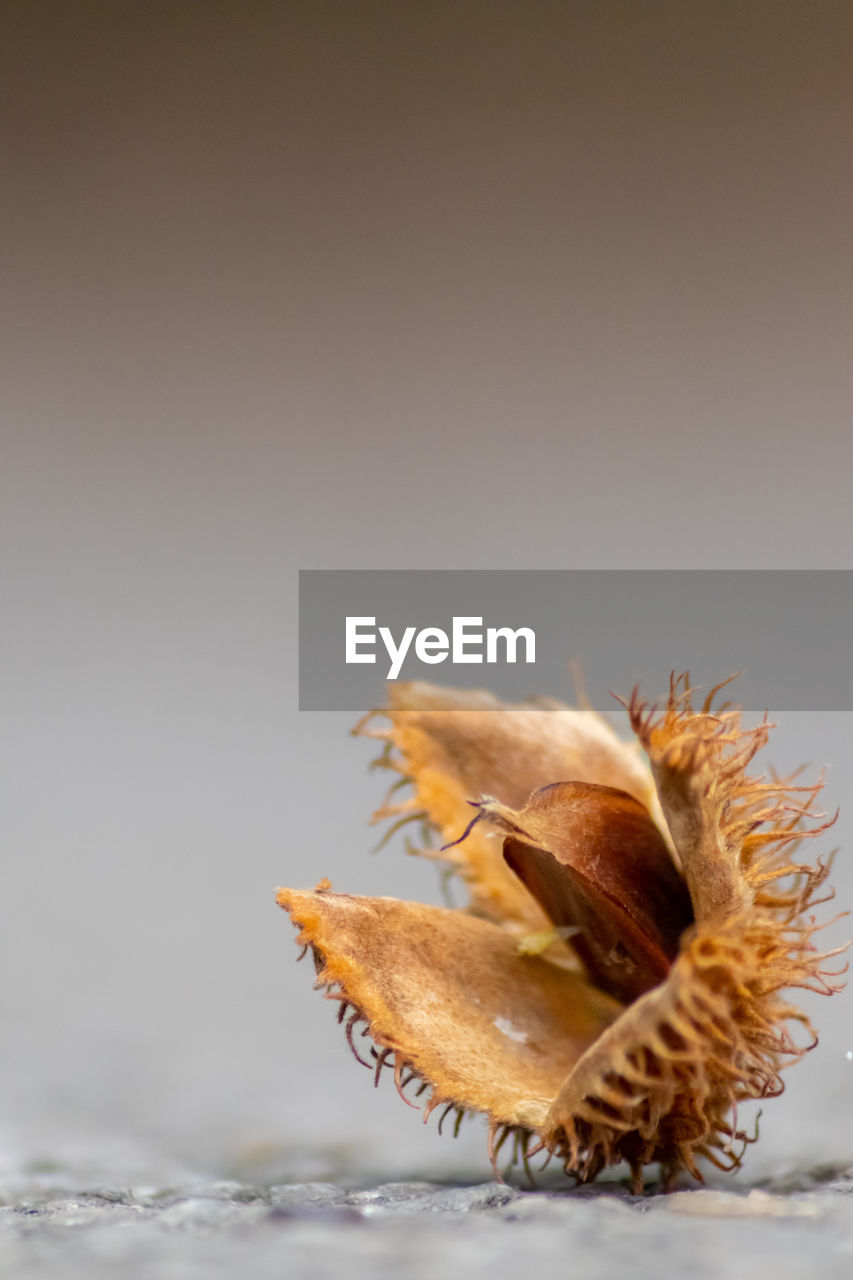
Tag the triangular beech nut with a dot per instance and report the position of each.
(595, 861)
(451, 744)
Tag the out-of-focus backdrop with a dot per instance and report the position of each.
(363, 285)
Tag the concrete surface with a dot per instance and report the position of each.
(53, 1222)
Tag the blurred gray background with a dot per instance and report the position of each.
(294, 285)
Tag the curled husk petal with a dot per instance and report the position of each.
(662, 1083)
(734, 833)
(452, 1000)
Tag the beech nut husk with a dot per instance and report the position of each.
(615, 986)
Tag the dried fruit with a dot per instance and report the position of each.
(614, 988)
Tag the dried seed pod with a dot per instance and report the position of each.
(677, 918)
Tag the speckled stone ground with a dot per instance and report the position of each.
(54, 1223)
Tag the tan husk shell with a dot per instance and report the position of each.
(450, 1003)
(452, 999)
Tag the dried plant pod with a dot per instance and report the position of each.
(674, 890)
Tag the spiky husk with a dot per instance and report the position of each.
(663, 1083)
